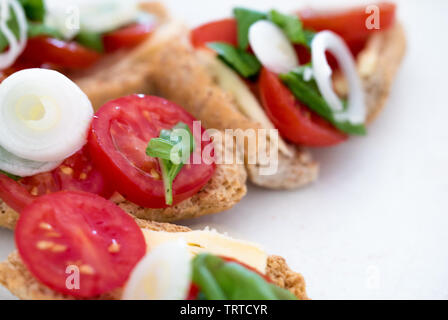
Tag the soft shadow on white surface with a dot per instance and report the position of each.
(374, 225)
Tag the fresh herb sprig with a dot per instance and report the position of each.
(244, 63)
(222, 280)
(173, 149)
(307, 91)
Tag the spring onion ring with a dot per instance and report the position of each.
(272, 47)
(22, 167)
(44, 116)
(72, 16)
(16, 46)
(327, 41)
(163, 274)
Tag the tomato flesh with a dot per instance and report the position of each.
(349, 24)
(75, 173)
(118, 139)
(293, 119)
(82, 231)
(127, 37)
(60, 53)
(218, 31)
(193, 292)
(13, 194)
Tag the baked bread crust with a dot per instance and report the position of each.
(225, 189)
(127, 73)
(194, 88)
(16, 278)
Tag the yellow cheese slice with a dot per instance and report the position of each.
(210, 241)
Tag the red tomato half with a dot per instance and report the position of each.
(60, 53)
(121, 131)
(294, 120)
(79, 230)
(349, 24)
(13, 194)
(75, 173)
(193, 293)
(127, 37)
(218, 31)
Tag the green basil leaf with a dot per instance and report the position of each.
(291, 26)
(203, 277)
(187, 145)
(13, 177)
(309, 36)
(221, 280)
(92, 40)
(308, 93)
(36, 29)
(159, 148)
(245, 18)
(162, 148)
(34, 9)
(246, 64)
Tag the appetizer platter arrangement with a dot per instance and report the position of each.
(118, 122)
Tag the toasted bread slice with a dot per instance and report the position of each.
(225, 189)
(17, 279)
(194, 88)
(127, 73)
(378, 64)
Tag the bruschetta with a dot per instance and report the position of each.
(101, 45)
(264, 70)
(145, 153)
(76, 245)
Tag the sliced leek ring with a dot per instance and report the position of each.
(163, 274)
(327, 41)
(22, 167)
(44, 116)
(71, 16)
(16, 46)
(272, 47)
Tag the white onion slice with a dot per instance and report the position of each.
(272, 47)
(22, 167)
(44, 116)
(92, 15)
(16, 46)
(327, 41)
(163, 274)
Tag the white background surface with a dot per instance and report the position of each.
(375, 224)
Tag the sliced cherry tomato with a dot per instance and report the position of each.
(218, 31)
(20, 64)
(121, 131)
(63, 54)
(69, 234)
(75, 173)
(13, 194)
(295, 121)
(193, 293)
(127, 37)
(349, 24)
